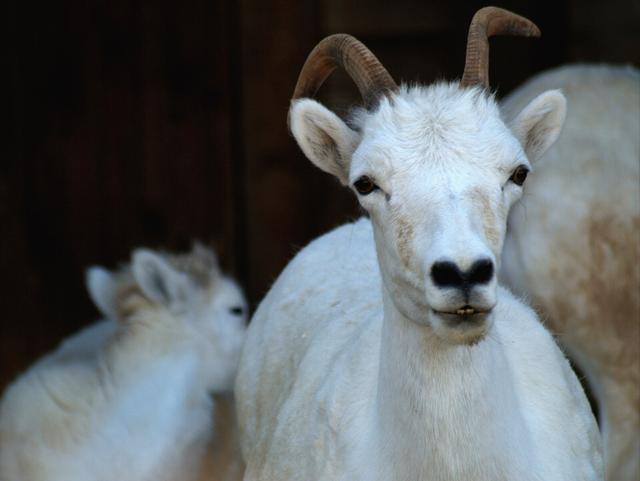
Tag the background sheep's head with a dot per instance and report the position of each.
(180, 300)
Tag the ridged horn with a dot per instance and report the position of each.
(487, 22)
(342, 50)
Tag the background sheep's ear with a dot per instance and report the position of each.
(206, 256)
(323, 137)
(539, 124)
(101, 287)
(158, 279)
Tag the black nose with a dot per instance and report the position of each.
(448, 274)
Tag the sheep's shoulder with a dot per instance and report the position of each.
(548, 390)
(312, 344)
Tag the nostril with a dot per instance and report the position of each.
(481, 272)
(446, 274)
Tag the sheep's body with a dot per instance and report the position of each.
(314, 371)
(574, 242)
(126, 399)
(115, 418)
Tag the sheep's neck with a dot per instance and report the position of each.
(430, 394)
(144, 354)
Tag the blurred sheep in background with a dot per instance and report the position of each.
(130, 397)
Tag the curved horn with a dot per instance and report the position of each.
(341, 50)
(487, 22)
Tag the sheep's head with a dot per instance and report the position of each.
(180, 300)
(436, 168)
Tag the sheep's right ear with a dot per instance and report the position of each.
(206, 256)
(158, 279)
(324, 138)
(101, 287)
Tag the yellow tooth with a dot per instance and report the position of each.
(465, 311)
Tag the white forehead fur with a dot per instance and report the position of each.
(441, 123)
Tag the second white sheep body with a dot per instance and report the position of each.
(573, 246)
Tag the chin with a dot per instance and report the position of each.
(461, 330)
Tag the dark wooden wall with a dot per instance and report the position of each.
(152, 123)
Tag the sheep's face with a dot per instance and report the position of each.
(208, 311)
(437, 170)
(221, 321)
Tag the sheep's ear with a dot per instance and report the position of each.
(539, 124)
(158, 279)
(206, 256)
(101, 287)
(323, 137)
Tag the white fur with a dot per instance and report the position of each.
(574, 242)
(128, 398)
(349, 370)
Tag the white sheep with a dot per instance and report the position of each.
(129, 398)
(573, 244)
(386, 350)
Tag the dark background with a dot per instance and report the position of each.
(153, 123)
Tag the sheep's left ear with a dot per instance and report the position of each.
(158, 279)
(539, 124)
(102, 289)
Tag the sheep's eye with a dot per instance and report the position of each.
(519, 175)
(236, 311)
(364, 185)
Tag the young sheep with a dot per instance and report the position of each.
(130, 397)
(574, 243)
(386, 350)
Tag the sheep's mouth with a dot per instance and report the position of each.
(464, 314)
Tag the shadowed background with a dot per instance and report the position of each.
(153, 123)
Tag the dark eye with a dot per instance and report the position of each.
(519, 175)
(236, 311)
(364, 185)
